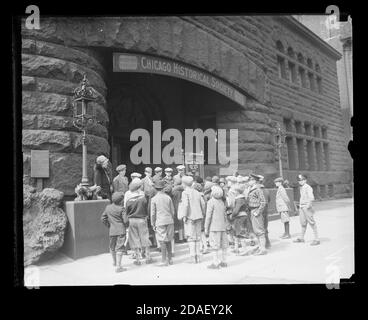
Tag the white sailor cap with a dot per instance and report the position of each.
(135, 175)
(158, 169)
(168, 170)
(180, 167)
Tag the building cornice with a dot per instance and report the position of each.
(310, 35)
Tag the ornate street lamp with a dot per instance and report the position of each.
(280, 135)
(84, 117)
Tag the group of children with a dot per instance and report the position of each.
(210, 215)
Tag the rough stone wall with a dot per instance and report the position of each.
(255, 37)
(50, 73)
(240, 50)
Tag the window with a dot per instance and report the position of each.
(319, 156)
(323, 192)
(330, 190)
(316, 132)
(292, 72)
(311, 81)
(300, 146)
(317, 68)
(309, 63)
(311, 156)
(319, 85)
(308, 129)
(290, 152)
(287, 125)
(298, 127)
(280, 46)
(324, 133)
(291, 53)
(301, 58)
(326, 156)
(281, 67)
(302, 78)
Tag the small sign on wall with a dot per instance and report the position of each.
(40, 167)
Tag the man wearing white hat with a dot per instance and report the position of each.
(133, 185)
(135, 175)
(158, 175)
(120, 182)
(168, 178)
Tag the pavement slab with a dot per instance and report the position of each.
(285, 263)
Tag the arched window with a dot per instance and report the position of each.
(291, 53)
(280, 46)
(317, 68)
(301, 58)
(310, 63)
(281, 64)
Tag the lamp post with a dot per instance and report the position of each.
(83, 120)
(279, 142)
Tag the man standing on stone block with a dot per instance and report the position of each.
(120, 182)
(306, 211)
(102, 176)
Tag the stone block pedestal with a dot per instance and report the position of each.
(85, 234)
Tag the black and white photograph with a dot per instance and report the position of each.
(188, 149)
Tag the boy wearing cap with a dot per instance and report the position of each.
(306, 211)
(168, 179)
(215, 228)
(181, 172)
(120, 182)
(191, 210)
(158, 175)
(113, 218)
(238, 218)
(283, 206)
(136, 211)
(135, 175)
(256, 203)
(147, 183)
(162, 221)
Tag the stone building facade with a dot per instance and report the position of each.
(283, 70)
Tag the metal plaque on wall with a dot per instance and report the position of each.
(40, 164)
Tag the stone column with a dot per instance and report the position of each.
(50, 73)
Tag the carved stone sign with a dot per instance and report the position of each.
(124, 62)
(40, 164)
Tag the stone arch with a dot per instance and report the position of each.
(55, 58)
(170, 37)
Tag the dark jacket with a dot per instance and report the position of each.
(113, 217)
(102, 178)
(240, 208)
(136, 207)
(267, 197)
(120, 184)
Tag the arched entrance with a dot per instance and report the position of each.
(135, 100)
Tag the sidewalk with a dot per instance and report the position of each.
(286, 262)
